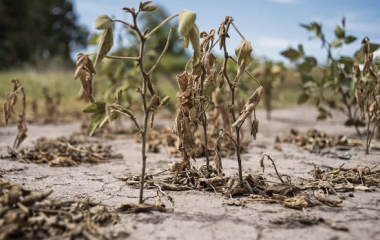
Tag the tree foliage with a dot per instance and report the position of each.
(34, 32)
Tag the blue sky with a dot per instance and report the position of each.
(270, 25)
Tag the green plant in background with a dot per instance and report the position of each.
(329, 86)
(271, 75)
(104, 113)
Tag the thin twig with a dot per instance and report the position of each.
(161, 24)
(274, 165)
(246, 71)
(163, 52)
(237, 30)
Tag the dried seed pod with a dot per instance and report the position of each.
(251, 104)
(154, 102)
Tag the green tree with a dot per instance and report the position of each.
(34, 32)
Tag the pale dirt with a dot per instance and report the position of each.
(204, 215)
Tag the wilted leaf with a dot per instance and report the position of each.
(103, 22)
(105, 44)
(194, 39)
(320, 195)
(243, 53)
(186, 22)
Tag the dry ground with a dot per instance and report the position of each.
(204, 215)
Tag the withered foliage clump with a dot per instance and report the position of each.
(314, 140)
(65, 151)
(163, 137)
(28, 215)
(321, 188)
(8, 108)
(367, 90)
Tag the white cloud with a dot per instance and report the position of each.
(284, 1)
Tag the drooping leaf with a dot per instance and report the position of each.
(194, 39)
(336, 43)
(349, 39)
(103, 22)
(186, 22)
(105, 44)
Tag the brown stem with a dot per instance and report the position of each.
(237, 30)
(368, 141)
(232, 104)
(204, 120)
(274, 165)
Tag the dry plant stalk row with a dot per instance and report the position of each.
(193, 103)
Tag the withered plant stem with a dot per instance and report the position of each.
(274, 165)
(247, 72)
(237, 30)
(161, 24)
(163, 52)
(204, 119)
(232, 104)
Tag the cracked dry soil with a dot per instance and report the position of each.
(204, 215)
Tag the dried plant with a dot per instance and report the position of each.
(193, 102)
(367, 90)
(12, 98)
(104, 113)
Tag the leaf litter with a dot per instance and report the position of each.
(64, 151)
(29, 215)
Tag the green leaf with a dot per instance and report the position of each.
(307, 27)
(302, 98)
(144, 4)
(105, 44)
(373, 47)
(349, 39)
(96, 107)
(103, 22)
(339, 32)
(150, 8)
(291, 53)
(96, 119)
(165, 100)
(336, 43)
